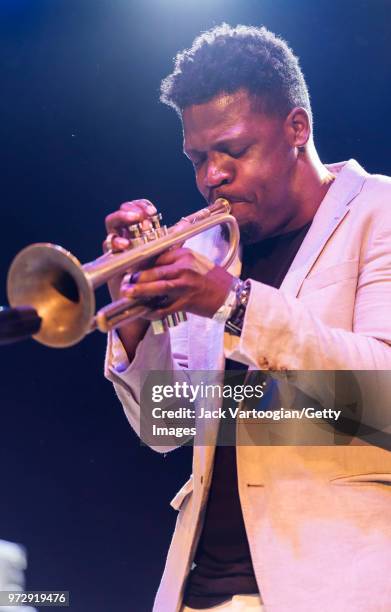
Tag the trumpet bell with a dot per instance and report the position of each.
(51, 280)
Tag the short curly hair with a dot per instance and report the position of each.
(226, 59)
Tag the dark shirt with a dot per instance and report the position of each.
(223, 565)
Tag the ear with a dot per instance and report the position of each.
(298, 127)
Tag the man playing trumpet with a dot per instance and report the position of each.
(267, 528)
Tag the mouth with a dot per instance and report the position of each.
(236, 202)
(239, 208)
(231, 200)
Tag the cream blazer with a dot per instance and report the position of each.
(318, 518)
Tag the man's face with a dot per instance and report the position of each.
(243, 155)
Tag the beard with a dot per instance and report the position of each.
(250, 233)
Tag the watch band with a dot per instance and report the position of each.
(225, 310)
(234, 322)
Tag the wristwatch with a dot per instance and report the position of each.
(234, 322)
(232, 311)
(226, 309)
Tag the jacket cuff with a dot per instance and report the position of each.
(264, 331)
(148, 355)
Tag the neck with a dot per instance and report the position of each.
(311, 182)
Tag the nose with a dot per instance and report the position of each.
(217, 172)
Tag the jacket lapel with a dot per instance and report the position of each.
(206, 337)
(350, 177)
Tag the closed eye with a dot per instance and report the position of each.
(237, 154)
(234, 153)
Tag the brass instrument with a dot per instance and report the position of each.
(53, 281)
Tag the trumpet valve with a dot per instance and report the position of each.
(162, 325)
(140, 235)
(135, 231)
(155, 220)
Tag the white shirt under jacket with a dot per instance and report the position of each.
(318, 518)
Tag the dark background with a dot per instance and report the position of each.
(81, 130)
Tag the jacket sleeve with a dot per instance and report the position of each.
(154, 352)
(280, 332)
(166, 352)
(287, 336)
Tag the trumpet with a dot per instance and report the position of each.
(50, 279)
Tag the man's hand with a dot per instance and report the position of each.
(185, 280)
(181, 279)
(137, 211)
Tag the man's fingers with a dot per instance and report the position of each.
(143, 205)
(171, 256)
(115, 243)
(122, 219)
(168, 272)
(152, 289)
(136, 211)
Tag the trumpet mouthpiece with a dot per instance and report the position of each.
(221, 205)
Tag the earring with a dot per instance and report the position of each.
(301, 149)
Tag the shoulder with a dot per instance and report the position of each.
(372, 199)
(377, 189)
(374, 202)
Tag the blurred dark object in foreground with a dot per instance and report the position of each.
(18, 323)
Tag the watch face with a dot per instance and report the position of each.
(234, 323)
